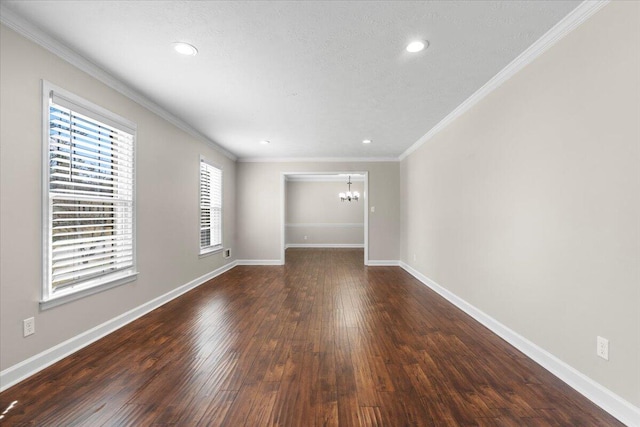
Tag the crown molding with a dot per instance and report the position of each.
(550, 38)
(317, 159)
(33, 33)
(574, 19)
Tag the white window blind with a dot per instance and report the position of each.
(210, 207)
(90, 196)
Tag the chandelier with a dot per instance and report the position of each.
(349, 196)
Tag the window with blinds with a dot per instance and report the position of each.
(210, 207)
(90, 206)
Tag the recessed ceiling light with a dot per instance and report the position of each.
(185, 48)
(366, 141)
(417, 46)
(265, 142)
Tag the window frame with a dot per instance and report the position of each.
(211, 249)
(51, 297)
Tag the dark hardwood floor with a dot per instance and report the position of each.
(320, 341)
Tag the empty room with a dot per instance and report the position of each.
(319, 213)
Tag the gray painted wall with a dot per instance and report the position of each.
(314, 211)
(167, 173)
(259, 206)
(528, 205)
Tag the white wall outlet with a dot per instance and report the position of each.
(373, 209)
(305, 237)
(414, 257)
(29, 326)
(602, 349)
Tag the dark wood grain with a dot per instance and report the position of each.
(322, 341)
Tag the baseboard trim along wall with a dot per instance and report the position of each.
(35, 364)
(324, 245)
(598, 394)
(383, 263)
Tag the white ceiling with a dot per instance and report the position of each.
(313, 77)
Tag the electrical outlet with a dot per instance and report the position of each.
(602, 349)
(226, 253)
(305, 237)
(29, 326)
(373, 209)
(414, 257)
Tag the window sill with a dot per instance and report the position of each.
(210, 251)
(65, 296)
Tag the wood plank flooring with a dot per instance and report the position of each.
(322, 341)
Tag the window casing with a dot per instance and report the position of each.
(210, 207)
(89, 218)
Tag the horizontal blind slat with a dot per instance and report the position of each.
(91, 195)
(89, 273)
(85, 260)
(62, 256)
(210, 200)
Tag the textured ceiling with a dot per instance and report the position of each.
(314, 78)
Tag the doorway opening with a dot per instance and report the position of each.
(312, 215)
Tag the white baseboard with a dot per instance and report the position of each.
(324, 245)
(598, 394)
(383, 263)
(34, 364)
(259, 262)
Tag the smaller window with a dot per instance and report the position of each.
(210, 207)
